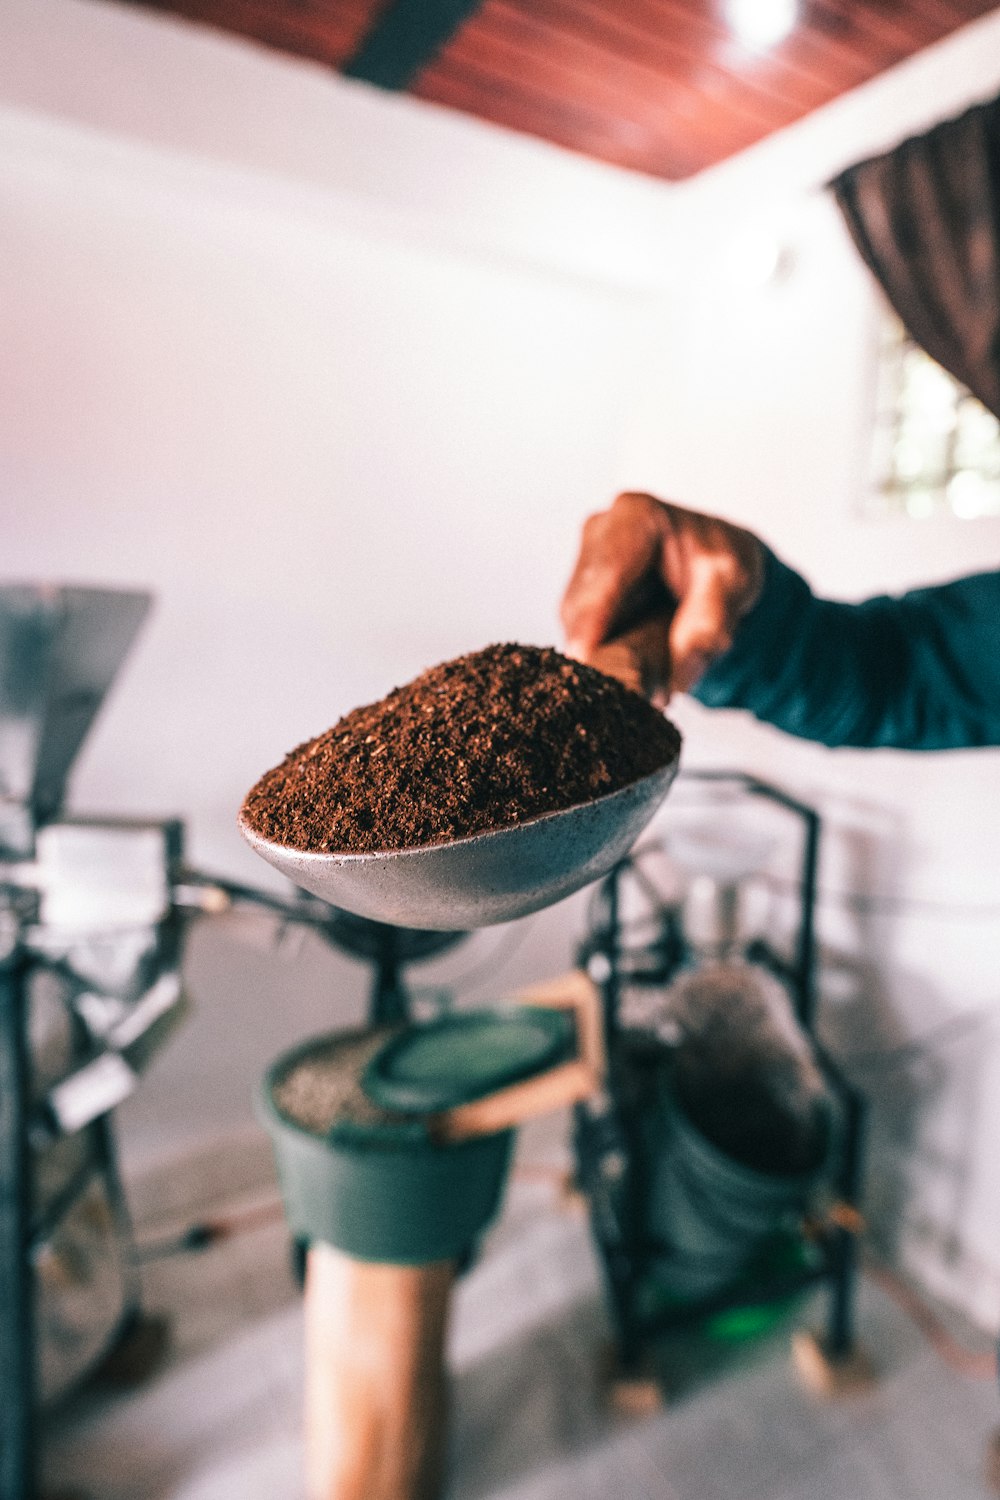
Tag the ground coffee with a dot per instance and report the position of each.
(323, 1088)
(743, 1072)
(483, 742)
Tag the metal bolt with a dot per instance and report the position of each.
(599, 968)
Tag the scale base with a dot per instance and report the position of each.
(139, 1353)
(630, 1394)
(833, 1377)
(991, 1471)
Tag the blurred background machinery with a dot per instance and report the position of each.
(93, 915)
(723, 1168)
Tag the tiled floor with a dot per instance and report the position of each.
(220, 1421)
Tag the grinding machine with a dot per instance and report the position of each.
(689, 1229)
(89, 988)
(93, 915)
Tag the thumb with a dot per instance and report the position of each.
(702, 627)
(589, 607)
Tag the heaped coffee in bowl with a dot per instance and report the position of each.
(483, 742)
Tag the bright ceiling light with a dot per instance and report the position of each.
(762, 23)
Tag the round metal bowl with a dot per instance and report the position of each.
(488, 878)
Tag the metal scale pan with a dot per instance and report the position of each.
(488, 878)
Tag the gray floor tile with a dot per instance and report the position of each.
(221, 1421)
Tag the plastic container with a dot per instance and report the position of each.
(383, 1190)
(707, 1215)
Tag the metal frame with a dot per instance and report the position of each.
(23, 1230)
(609, 1163)
(18, 1415)
(387, 949)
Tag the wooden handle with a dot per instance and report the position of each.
(564, 1084)
(375, 1379)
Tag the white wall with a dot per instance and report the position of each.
(761, 407)
(336, 375)
(333, 374)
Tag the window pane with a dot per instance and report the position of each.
(935, 447)
(977, 441)
(971, 495)
(920, 502)
(929, 396)
(920, 454)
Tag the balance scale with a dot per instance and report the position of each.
(390, 1211)
(93, 917)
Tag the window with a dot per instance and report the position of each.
(937, 449)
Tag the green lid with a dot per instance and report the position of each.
(436, 1065)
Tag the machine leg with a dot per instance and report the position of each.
(992, 1467)
(375, 1377)
(849, 1374)
(632, 1384)
(832, 1364)
(18, 1476)
(840, 1331)
(992, 1474)
(839, 1342)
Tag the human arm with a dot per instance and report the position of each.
(920, 671)
(726, 618)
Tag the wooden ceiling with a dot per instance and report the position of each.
(663, 87)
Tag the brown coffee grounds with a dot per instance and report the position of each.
(323, 1088)
(483, 742)
(743, 1072)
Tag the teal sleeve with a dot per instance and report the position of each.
(920, 671)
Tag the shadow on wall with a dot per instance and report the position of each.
(925, 1096)
(924, 1080)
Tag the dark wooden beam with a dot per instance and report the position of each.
(406, 36)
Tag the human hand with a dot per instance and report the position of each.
(657, 592)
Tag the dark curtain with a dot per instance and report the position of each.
(926, 218)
